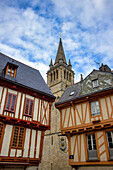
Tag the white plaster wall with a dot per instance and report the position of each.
(38, 144)
(6, 140)
(1, 89)
(32, 144)
(22, 105)
(3, 100)
(35, 113)
(12, 153)
(26, 144)
(12, 91)
(17, 105)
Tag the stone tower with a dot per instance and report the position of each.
(60, 75)
(55, 150)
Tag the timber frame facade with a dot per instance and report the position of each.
(25, 113)
(87, 119)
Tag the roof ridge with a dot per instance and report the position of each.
(19, 61)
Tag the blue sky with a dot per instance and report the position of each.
(30, 31)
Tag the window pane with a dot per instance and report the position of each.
(31, 107)
(15, 137)
(13, 103)
(18, 137)
(21, 135)
(8, 101)
(110, 139)
(27, 106)
(95, 110)
(91, 142)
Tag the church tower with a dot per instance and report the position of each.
(60, 75)
(55, 152)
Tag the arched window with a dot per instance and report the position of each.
(67, 75)
(54, 75)
(57, 74)
(64, 74)
(51, 76)
(70, 77)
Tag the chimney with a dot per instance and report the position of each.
(104, 68)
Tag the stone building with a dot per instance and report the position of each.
(55, 152)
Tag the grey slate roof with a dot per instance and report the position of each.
(84, 88)
(76, 89)
(25, 76)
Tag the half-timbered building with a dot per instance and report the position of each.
(25, 111)
(86, 118)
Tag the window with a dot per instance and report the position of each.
(110, 143)
(10, 103)
(1, 129)
(92, 150)
(57, 73)
(64, 74)
(70, 77)
(54, 75)
(95, 108)
(28, 107)
(67, 75)
(11, 70)
(51, 76)
(18, 136)
(95, 83)
(72, 93)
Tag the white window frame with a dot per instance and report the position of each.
(92, 147)
(95, 83)
(92, 141)
(95, 109)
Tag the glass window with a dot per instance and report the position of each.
(11, 70)
(18, 136)
(92, 149)
(10, 103)
(110, 143)
(28, 107)
(91, 142)
(95, 83)
(95, 110)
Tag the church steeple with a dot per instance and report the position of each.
(60, 57)
(60, 75)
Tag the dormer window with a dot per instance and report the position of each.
(11, 70)
(72, 93)
(95, 83)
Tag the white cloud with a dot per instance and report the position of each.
(31, 34)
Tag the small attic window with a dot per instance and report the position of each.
(11, 69)
(72, 93)
(95, 83)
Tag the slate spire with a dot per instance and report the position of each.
(60, 57)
